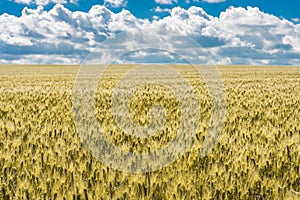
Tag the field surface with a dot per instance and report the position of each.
(256, 156)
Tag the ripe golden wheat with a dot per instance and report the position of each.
(256, 157)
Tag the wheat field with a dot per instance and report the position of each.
(256, 156)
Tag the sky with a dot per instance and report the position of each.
(255, 32)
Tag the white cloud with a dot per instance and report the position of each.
(296, 20)
(161, 10)
(44, 2)
(74, 1)
(214, 1)
(165, 2)
(23, 1)
(238, 35)
(115, 3)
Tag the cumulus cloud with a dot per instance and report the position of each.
(115, 3)
(165, 2)
(237, 36)
(74, 1)
(23, 1)
(296, 20)
(44, 2)
(214, 1)
(161, 10)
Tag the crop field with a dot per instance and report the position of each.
(256, 156)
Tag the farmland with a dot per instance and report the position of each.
(256, 156)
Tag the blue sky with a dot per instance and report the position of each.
(231, 31)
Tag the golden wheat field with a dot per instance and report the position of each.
(256, 156)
